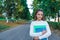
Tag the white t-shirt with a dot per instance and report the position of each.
(39, 34)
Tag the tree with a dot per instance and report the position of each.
(15, 8)
(50, 7)
(26, 13)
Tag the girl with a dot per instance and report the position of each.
(39, 29)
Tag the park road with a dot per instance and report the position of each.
(21, 32)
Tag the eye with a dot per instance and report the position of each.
(40, 14)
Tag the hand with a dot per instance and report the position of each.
(36, 38)
(44, 32)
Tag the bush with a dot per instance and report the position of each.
(1, 17)
(3, 27)
(55, 25)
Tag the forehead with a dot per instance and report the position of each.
(39, 12)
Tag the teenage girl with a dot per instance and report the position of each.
(39, 20)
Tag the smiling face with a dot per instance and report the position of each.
(39, 15)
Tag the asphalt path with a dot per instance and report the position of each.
(21, 32)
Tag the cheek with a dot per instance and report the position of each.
(39, 16)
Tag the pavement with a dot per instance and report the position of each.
(21, 32)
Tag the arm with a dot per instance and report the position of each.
(47, 34)
(32, 34)
(31, 29)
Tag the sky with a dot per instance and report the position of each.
(29, 3)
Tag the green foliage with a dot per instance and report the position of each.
(18, 8)
(55, 25)
(50, 7)
(25, 14)
(2, 17)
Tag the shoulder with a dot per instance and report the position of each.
(45, 22)
(33, 21)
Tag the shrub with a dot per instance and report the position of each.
(55, 25)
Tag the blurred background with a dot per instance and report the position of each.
(17, 12)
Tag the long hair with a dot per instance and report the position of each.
(35, 17)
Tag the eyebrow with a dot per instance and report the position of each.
(42, 14)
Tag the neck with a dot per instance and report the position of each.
(38, 20)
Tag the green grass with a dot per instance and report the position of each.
(4, 27)
(2, 18)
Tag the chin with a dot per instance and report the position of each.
(39, 19)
